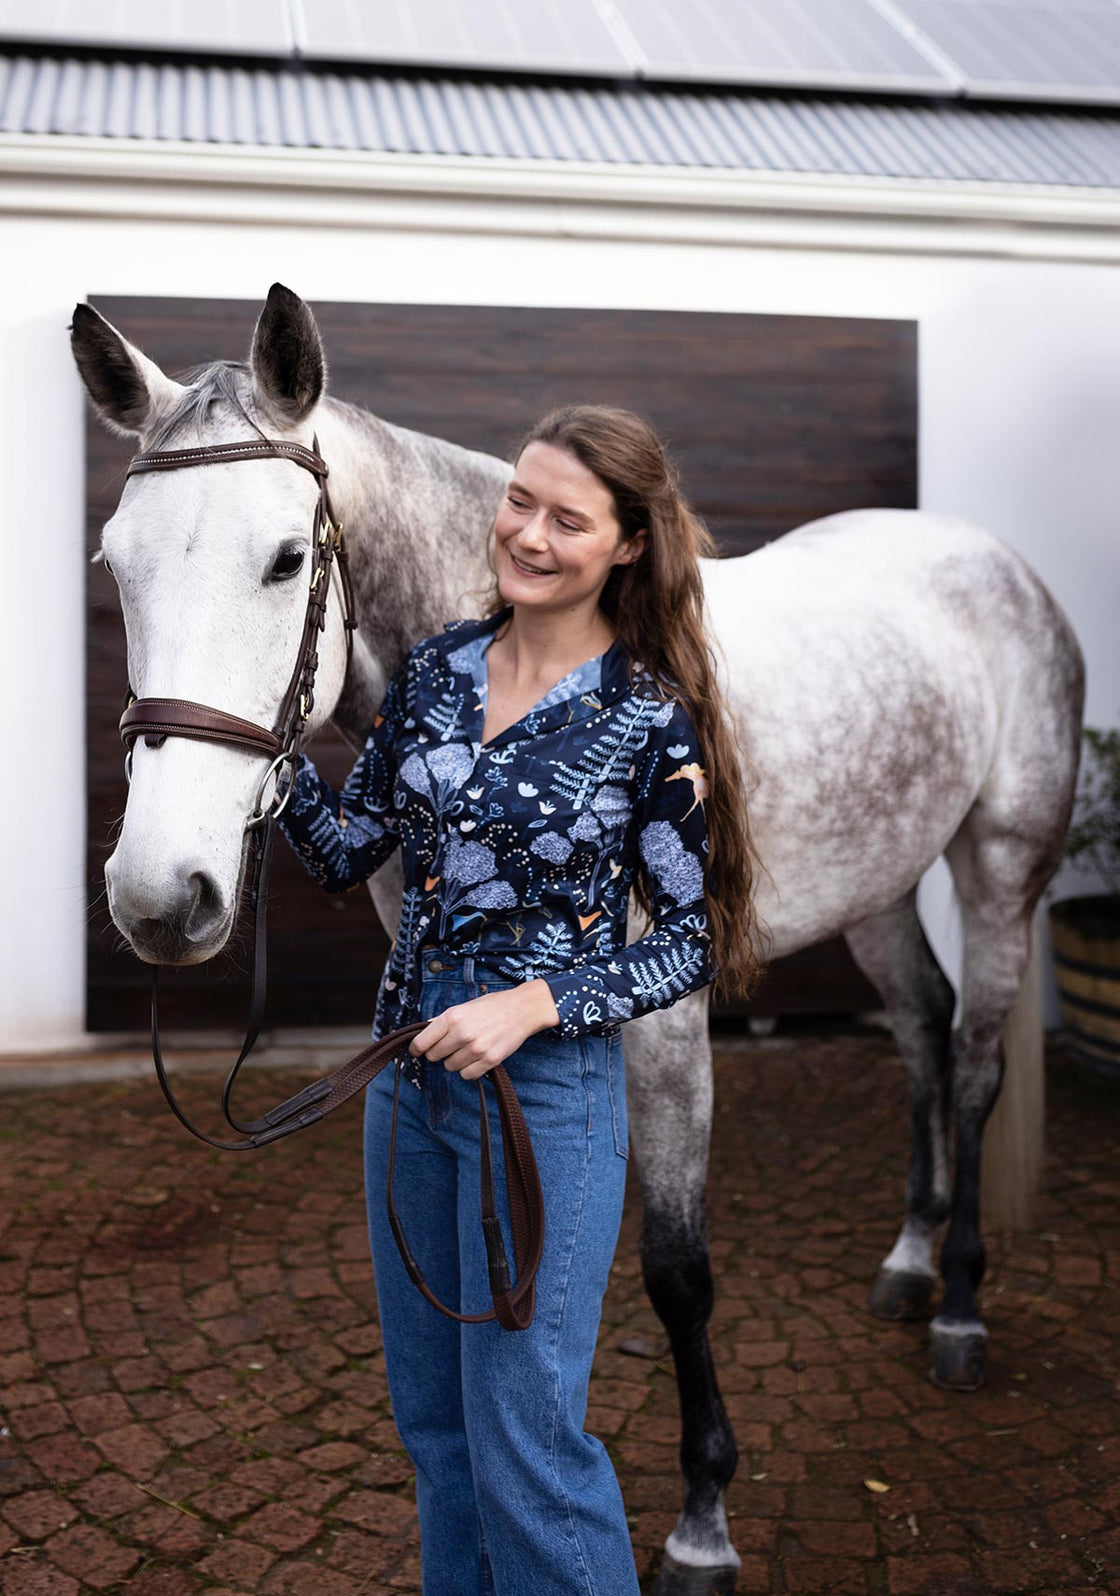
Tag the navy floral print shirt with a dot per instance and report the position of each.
(522, 851)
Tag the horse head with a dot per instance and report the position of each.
(212, 568)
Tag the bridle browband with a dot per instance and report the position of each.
(155, 719)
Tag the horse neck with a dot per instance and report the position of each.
(416, 511)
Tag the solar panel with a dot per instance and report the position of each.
(252, 27)
(544, 36)
(1045, 49)
(1056, 50)
(822, 43)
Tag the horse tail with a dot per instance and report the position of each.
(1014, 1137)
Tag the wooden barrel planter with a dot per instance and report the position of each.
(1085, 934)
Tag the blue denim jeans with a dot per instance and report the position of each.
(514, 1497)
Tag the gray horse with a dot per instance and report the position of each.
(905, 688)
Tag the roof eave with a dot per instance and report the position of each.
(153, 180)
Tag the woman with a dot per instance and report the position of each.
(534, 767)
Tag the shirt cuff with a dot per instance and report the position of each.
(585, 1004)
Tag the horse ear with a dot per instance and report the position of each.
(289, 371)
(128, 389)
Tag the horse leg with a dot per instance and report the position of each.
(999, 874)
(891, 949)
(669, 1098)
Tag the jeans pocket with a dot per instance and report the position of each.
(435, 996)
(616, 1086)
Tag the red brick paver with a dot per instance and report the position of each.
(193, 1394)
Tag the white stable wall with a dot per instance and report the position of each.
(1019, 407)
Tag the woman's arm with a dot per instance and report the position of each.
(342, 838)
(674, 957)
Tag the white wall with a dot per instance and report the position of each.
(1020, 413)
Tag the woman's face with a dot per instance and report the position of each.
(556, 533)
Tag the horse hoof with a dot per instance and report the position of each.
(899, 1294)
(683, 1579)
(957, 1362)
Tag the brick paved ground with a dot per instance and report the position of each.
(194, 1398)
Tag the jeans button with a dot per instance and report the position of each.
(437, 965)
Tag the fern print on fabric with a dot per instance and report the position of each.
(521, 852)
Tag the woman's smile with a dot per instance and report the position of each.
(530, 570)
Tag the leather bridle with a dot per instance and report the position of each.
(156, 719)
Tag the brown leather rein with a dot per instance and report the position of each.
(155, 719)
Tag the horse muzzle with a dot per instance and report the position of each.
(186, 920)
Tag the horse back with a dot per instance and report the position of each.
(872, 661)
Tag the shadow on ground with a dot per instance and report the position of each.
(193, 1391)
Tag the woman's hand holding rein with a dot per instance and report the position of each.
(473, 1037)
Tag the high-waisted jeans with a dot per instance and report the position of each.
(514, 1497)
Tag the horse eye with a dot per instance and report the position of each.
(287, 563)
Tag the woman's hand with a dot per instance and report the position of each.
(473, 1037)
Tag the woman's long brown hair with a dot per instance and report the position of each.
(656, 606)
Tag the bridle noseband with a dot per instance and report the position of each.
(155, 719)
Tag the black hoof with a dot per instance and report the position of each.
(682, 1579)
(897, 1294)
(957, 1362)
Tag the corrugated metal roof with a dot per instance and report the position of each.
(624, 124)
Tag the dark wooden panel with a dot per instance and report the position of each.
(774, 420)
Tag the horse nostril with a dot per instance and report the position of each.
(204, 903)
(179, 921)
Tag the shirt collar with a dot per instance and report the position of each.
(581, 697)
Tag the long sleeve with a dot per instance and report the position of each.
(674, 957)
(342, 838)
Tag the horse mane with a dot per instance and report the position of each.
(224, 382)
